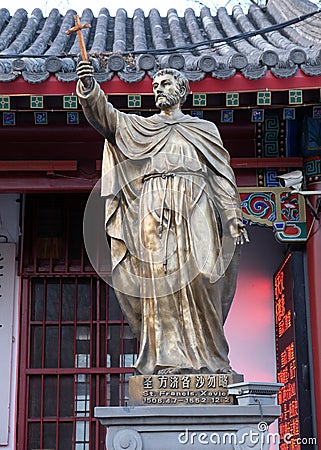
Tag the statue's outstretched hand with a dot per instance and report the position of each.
(85, 72)
(238, 231)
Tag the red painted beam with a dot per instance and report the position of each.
(238, 83)
(255, 163)
(262, 163)
(32, 166)
(24, 180)
(28, 183)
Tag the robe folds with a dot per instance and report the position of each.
(170, 195)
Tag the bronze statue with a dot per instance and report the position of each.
(174, 221)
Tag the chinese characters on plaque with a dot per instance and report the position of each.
(171, 389)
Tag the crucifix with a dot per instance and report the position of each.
(78, 27)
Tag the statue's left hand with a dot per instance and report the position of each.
(238, 231)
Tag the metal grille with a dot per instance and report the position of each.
(76, 348)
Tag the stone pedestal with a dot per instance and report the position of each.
(223, 427)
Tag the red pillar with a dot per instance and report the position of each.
(314, 277)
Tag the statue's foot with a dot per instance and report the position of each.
(168, 371)
(174, 370)
(226, 370)
(229, 371)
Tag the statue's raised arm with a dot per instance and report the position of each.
(98, 111)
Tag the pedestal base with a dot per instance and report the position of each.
(228, 427)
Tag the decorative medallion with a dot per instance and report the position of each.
(134, 101)
(288, 113)
(36, 101)
(295, 97)
(4, 102)
(199, 100)
(41, 118)
(227, 115)
(257, 115)
(9, 118)
(70, 102)
(72, 118)
(232, 99)
(263, 98)
(317, 112)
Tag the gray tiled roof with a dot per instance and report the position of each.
(35, 46)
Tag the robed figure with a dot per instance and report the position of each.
(174, 224)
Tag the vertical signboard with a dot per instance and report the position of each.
(291, 334)
(7, 284)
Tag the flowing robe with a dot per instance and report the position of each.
(170, 194)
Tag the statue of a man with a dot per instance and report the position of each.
(174, 223)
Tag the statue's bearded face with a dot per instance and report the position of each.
(166, 91)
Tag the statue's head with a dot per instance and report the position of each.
(170, 88)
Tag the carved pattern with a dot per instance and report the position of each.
(273, 207)
(269, 58)
(284, 72)
(312, 167)
(127, 439)
(298, 56)
(193, 75)
(7, 77)
(260, 205)
(67, 76)
(176, 61)
(35, 77)
(102, 77)
(312, 71)
(18, 64)
(131, 77)
(207, 63)
(271, 146)
(238, 61)
(290, 208)
(223, 73)
(146, 62)
(270, 178)
(254, 72)
(270, 136)
(53, 64)
(116, 63)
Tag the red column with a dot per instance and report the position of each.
(314, 277)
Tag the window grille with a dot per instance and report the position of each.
(77, 350)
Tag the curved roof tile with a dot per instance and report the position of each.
(13, 29)
(34, 47)
(46, 35)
